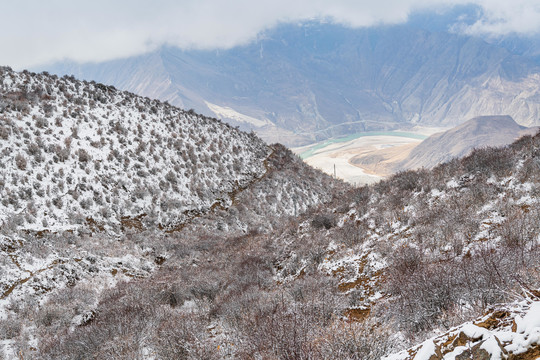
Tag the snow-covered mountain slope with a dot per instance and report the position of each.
(101, 187)
(37, 269)
(424, 250)
(83, 154)
(358, 274)
(377, 270)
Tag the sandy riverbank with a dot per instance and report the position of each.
(366, 159)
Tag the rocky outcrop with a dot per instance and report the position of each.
(504, 332)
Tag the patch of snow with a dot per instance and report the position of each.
(531, 321)
(426, 350)
(452, 184)
(226, 112)
(474, 332)
(492, 347)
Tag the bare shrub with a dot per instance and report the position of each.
(83, 155)
(4, 132)
(10, 328)
(326, 221)
(42, 123)
(20, 161)
(355, 340)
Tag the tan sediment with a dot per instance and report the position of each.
(381, 162)
(364, 160)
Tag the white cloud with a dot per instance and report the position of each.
(35, 31)
(503, 17)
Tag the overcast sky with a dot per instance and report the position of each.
(35, 32)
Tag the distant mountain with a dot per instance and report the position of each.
(306, 82)
(479, 132)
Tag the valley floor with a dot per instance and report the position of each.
(363, 158)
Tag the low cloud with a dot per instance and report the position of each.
(507, 17)
(38, 32)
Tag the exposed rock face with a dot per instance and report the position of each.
(478, 132)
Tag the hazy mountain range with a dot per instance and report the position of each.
(298, 83)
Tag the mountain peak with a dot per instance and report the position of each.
(478, 132)
(489, 123)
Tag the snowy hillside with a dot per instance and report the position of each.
(100, 188)
(376, 270)
(425, 251)
(77, 153)
(277, 260)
